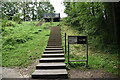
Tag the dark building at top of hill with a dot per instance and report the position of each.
(55, 17)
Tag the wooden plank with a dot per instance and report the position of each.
(52, 58)
(54, 51)
(52, 55)
(50, 74)
(59, 59)
(54, 47)
(51, 66)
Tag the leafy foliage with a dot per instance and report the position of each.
(17, 18)
(96, 59)
(25, 10)
(94, 20)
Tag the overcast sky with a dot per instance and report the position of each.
(59, 7)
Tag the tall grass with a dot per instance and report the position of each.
(97, 59)
(24, 43)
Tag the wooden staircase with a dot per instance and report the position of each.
(52, 64)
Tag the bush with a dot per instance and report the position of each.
(6, 23)
(14, 35)
(13, 39)
(17, 18)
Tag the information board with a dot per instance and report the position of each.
(72, 39)
(77, 39)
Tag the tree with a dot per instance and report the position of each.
(30, 10)
(95, 20)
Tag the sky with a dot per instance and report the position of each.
(59, 7)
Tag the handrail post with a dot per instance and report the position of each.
(68, 54)
(87, 52)
(65, 43)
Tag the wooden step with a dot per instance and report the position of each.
(50, 74)
(59, 59)
(57, 65)
(54, 51)
(54, 47)
(53, 55)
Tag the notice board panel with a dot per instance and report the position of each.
(77, 39)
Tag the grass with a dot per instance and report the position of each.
(24, 43)
(97, 60)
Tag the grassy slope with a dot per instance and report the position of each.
(24, 53)
(97, 60)
(24, 43)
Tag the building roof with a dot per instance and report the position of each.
(51, 15)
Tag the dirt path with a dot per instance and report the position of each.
(90, 74)
(11, 73)
(17, 72)
(40, 23)
(26, 73)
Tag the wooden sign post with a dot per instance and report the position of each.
(78, 40)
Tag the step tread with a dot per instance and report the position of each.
(54, 51)
(54, 48)
(61, 58)
(50, 72)
(52, 54)
(51, 64)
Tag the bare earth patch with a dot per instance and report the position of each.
(73, 73)
(40, 23)
(90, 74)
(17, 72)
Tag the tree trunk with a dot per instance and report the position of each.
(114, 22)
(117, 20)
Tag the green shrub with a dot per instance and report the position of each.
(17, 18)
